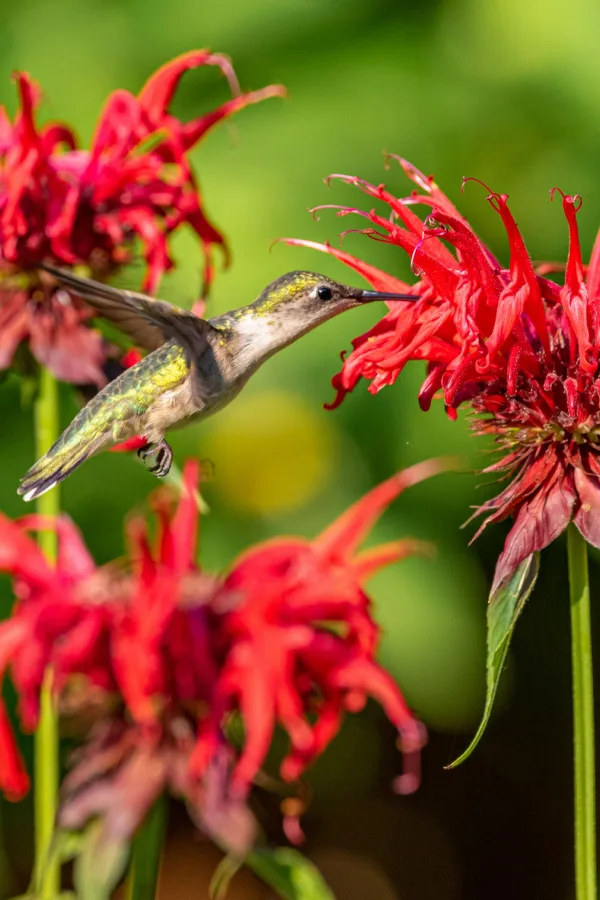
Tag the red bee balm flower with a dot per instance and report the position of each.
(521, 350)
(158, 655)
(132, 649)
(63, 204)
(302, 638)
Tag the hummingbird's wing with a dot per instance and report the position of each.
(147, 321)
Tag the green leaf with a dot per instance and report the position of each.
(504, 608)
(289, 873)
(64, 895)
(65, 846)
(147, 851)
(219, 883)
(286, 871)
(100, 865)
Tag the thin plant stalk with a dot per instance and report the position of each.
(583, 718)
(46, 737)
(147, 853)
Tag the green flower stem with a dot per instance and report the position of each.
(147, 851)
(46, 736)
(7, 880)
(583, 718)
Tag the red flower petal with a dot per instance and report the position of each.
(157, 93)
(184, 527)
(13, 325)
(74, 559)
(193, 131)
(587, 517)
(116, 132)
(130, 445)
(378, 279)
(574, 295)
(522, 294)
(369, 562)
(593, 273)
(62, 343)
(257, 708)
(342, 538)
(21, 557)
(14, 781)
(538, 522)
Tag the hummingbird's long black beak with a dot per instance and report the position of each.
(368, 296)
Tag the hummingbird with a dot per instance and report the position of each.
(194, 368)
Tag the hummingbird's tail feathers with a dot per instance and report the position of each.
(56, 465)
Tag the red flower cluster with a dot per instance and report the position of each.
(74, 206)
(520, 350)
(162, 654)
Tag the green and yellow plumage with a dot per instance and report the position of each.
(113, 415)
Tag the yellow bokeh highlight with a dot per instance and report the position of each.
(272, 452)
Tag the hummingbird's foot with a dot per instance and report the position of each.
(163, 460)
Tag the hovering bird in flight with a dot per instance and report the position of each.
(195, 367)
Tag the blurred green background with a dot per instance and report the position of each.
(503, 91)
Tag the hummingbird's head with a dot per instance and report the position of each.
(298, 301)
(289, 307)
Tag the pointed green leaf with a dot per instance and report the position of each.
(100, 865)
(289, 873)
(504, 608)
(219, 883)
(147, 852)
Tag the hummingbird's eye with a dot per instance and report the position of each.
(324, 293)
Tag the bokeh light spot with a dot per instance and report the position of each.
(271, 451)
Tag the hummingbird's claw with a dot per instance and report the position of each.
(164, 457)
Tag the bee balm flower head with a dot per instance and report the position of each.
(519, 349)
(68, 205)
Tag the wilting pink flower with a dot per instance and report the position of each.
(519, 349)
(158, 655)
(64, 204)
